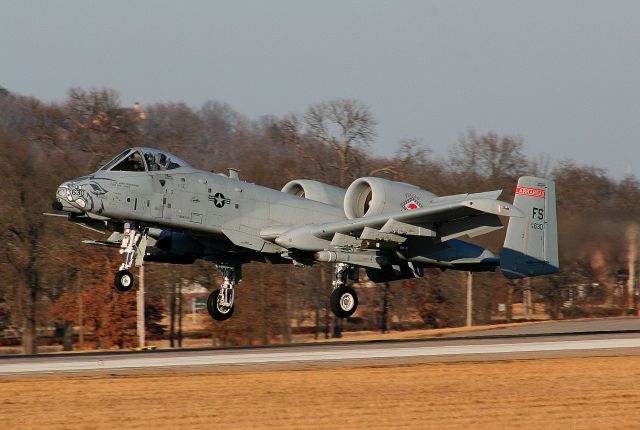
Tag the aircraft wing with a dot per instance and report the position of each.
(113, 241)
(443, 218)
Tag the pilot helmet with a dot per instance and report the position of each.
(161, 159)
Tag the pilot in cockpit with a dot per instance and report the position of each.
(162, 161)
(156, 161)
(151, 162)
(133, 163)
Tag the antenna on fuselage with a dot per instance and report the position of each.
(233, 173)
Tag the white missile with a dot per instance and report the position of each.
(360, 259)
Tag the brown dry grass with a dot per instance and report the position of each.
(546, 394)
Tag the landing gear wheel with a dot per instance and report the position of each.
(344, 301)
(123, 280)
(217, 311)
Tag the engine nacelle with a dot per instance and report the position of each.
(316, 191)
(374, 196)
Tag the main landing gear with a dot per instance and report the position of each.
(220, 304)
(133, 247)
(343, 299)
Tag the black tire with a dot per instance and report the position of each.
(214, 310)
(344, 301)
(123, 280)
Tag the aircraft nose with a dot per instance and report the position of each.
(61, 192)
(69, 198)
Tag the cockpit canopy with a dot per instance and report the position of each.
(144, 159)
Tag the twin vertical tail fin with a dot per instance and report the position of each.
(531, 245)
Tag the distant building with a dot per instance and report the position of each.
(138, 109)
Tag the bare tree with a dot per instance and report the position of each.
(489, 157)
(24, 233)
(341, 124)
(99, 125)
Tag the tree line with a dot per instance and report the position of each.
(49, 281)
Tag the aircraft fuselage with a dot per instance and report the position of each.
(207, 203)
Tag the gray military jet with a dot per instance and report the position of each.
(160, 209)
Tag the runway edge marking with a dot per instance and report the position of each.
(338, 354)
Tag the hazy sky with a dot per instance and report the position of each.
(564, 75)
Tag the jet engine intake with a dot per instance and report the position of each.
(375, 196)
(316, 191)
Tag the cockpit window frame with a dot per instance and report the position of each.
(132, 154)
(157, 161)
(153, 160)
(116, 160)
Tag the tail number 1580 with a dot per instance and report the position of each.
(538, 214)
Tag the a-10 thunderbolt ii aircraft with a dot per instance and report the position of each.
(159, 208)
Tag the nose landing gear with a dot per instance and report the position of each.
(123, 280)
(133, 247)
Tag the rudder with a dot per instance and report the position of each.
(531, 245)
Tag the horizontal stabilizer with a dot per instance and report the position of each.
(470, 226)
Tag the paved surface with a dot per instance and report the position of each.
(323, 353)
(625, 324)
(619, 336)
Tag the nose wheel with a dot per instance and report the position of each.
(133, 248)
(123, 280)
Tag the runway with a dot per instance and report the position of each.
(620, 337)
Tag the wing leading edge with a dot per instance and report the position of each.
(445, 219)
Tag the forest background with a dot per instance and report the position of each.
(55, 290)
